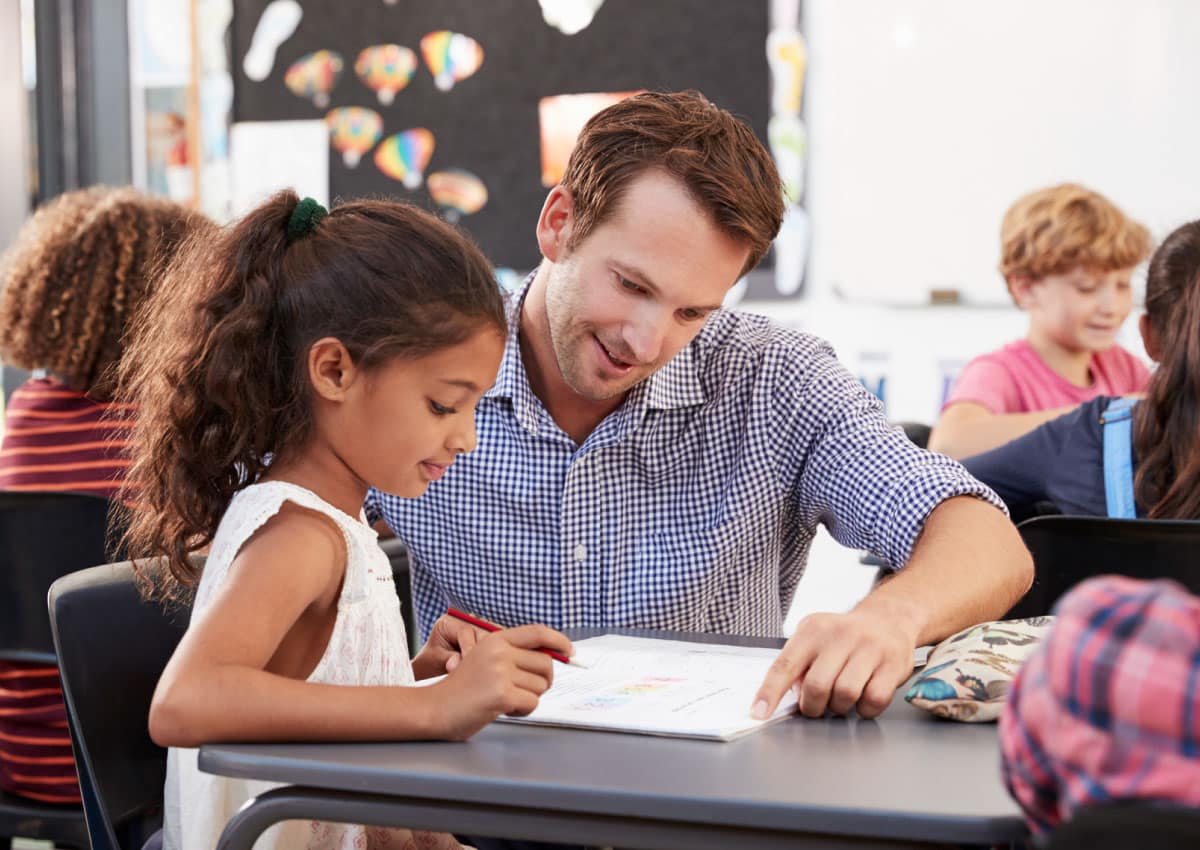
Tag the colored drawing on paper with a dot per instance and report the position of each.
(561, 117)
(386, 69)
(404, 156)
(457, 191)
(648, 685)
(569, 16)
(313, 76)
(279, 20)
(451, 57)
(628, 693)
(353, 130)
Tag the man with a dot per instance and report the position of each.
(647, 459)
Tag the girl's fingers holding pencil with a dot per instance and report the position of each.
(534, 683)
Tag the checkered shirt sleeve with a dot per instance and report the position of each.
(1108, 707)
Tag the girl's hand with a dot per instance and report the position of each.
(504, 674)
(449, 640)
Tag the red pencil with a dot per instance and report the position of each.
(492, 627)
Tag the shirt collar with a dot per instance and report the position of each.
(676, 385)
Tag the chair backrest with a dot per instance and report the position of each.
(43, 536)
(1129, 823)
(112, 646)
(917, 432)
(12, 377)
(1069, 549)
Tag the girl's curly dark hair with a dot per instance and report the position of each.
(218, 365)
(77, 273)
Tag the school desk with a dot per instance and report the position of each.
(904, 779)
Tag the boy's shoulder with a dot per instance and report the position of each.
(1121, 370)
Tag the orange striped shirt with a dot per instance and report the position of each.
(54, 439)
(58, 439)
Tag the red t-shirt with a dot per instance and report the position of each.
(58, 439)
(1014, 379)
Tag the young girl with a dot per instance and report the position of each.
(292, 362)
(1063, 461)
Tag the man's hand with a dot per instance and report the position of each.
(448, 642)
(841, 661)
(968, 565)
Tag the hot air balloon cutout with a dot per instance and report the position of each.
(353, 131)
(457, 191)
(451, 57)
(404, 156)
(314, 76)
(386, 69)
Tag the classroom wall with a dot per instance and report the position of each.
(927, 118)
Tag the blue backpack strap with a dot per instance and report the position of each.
(1116, 424)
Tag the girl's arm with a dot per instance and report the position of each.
(234, 677)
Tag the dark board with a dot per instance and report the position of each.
(488, 123)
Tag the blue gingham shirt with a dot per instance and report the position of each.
(691, 507)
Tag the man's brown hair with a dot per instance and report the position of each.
(78, 271)
(1062, 228)
(716, 156)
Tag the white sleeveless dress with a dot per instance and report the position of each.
(367, 647)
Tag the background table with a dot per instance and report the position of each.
(906, 777)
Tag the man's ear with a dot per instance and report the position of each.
(330, 368)
(554, 224)
(1020, 287)
(1149, 338)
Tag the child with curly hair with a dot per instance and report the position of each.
(80, 268)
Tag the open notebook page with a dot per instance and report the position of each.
(659, 687)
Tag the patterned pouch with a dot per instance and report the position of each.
(968, 674)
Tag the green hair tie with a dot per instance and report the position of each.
(304, 219)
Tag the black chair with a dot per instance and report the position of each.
(112, 647)
(397, 555)
(1068, 549)
(917, 432)
(1131, 823)
(12, 377)
(42, 536)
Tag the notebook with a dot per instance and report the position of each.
(650, 686)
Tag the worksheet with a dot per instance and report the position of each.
(659, 687)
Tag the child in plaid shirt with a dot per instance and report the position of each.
(1109, 706)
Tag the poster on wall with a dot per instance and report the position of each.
(469, 108)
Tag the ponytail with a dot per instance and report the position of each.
(1167, 423)
(219, 366)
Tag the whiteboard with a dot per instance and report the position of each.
(928, 118)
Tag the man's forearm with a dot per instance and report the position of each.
(968, 566)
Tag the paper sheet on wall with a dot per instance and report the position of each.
(659, 687)
(267, 156)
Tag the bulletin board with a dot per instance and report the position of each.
(487, 122)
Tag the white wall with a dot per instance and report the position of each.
(927, 118)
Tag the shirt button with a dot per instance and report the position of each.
(580, 552)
